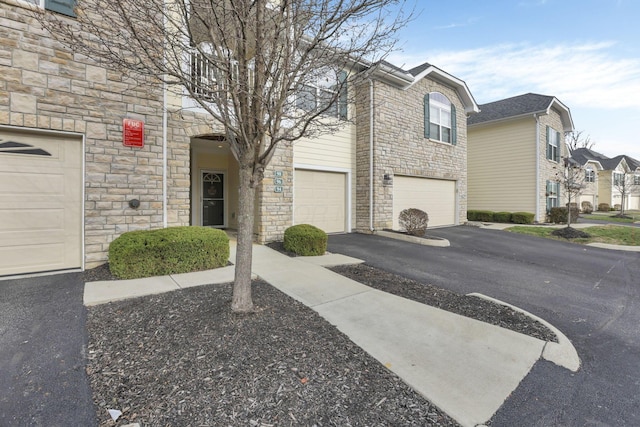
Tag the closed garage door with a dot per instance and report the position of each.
(320, 199)
(434, 196)
(40, 203)
(634, 202)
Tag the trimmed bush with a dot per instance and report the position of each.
(414, 221)
(559, 215)
(587, 207)
(146, 253)
(502, 216)
(522, 218)
(305, 240)
(604, 207)
(474, 215)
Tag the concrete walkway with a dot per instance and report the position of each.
(466, 367)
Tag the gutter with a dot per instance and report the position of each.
(164, 156)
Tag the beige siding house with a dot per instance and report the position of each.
(514, 151)
(84, 157)
(610, 174)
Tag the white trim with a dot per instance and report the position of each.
(461, 88)
(316, 168)
(83, 171)
(537, 199)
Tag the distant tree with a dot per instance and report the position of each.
(577, 139)
(572, 182)
(267, 71)
(625, 183)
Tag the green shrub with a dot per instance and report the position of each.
(146, 253)
(604, 207)
(305, 240)
(587, 207)
(502, 216)
(475, 215)
(522, 218)
(559, 215)
(414, 221)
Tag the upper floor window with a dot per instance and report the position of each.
(590, 175)
(64, 7)
(618, 178)
(636, 180)
(439, 118)
(324, 93)
(553, 144)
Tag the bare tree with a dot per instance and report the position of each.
(248, 63)
(625, 183)
(577, 139)
(572, 182)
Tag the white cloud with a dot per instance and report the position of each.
(578, 74)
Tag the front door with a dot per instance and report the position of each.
(213, 199)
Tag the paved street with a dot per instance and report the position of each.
(591, 294)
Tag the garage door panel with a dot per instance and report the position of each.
(436, 197)
(320, 199)
(40, 202)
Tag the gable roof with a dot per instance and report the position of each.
(403, 79)
(584, 155)
(520, 106)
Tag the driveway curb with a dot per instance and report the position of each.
(562, 353)
(442, 243)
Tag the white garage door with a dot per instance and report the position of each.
(634, 202)
(320, 199)
(40, 203)
(434, 196)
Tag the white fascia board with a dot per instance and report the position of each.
(470, 105)
(565, 114)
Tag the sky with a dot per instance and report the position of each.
(586, 53)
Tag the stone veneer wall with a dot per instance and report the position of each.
(549, 168)
(43, 86)
(400, 148)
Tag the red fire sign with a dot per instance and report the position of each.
(133, 133)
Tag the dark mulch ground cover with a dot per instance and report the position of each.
(570, 233)
(184, 359)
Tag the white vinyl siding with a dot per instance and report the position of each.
(501, 166)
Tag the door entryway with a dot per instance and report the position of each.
(213, 199)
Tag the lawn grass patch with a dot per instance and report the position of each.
(635, 216)
(612, 234)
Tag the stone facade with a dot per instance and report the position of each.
(400, 148)
(548, 169)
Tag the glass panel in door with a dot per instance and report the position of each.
(212, 199)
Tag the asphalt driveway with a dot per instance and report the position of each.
(42, 362)
(591, 294)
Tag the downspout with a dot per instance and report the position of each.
(164, 155)
(536, 117)
(371, 155)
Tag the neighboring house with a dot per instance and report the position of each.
(72, 178)
(515, 151)
(609, 173)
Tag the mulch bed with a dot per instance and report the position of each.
(183, 358)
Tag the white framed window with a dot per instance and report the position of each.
(590, 175)
(322, 93)
(553, 195)
(618, 178)
(439, 118)
(553, 144)
(64, 7)
(636, 179)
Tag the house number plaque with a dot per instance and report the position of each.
(277, 181)
(277, 189)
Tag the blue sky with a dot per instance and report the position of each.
(584, 52)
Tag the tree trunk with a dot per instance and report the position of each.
(242, 301)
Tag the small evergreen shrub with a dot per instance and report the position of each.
(414, 221)
(587, 207)
(476, 215)
(502, 216)
(305, 240)
(146, 253)
(559, 215)
(522, 218)
(604, 207)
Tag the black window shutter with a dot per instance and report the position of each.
(454, 132)
(343, 96)
(64, 7)
(559, 147)
(427, 125)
